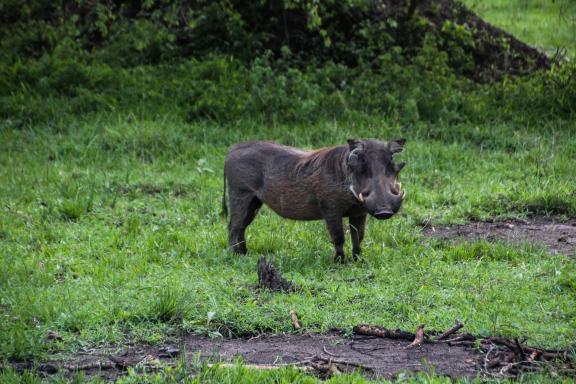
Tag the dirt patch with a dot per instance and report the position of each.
(559, 237)
(372, 355)
(372, 350)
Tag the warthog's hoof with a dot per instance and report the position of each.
(239, 249)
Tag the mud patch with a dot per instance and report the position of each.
(371, 355)
(372, 350)
(559, 237)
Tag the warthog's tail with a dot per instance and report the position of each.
(224, 206)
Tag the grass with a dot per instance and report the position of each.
(546, 24)
(110, 232)
(198, 373)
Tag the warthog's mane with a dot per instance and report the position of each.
(330, 161)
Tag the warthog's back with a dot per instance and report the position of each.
(271, 172)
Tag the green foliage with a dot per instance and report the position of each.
(55, 89)
(546, 95)
(155, 59)
(457, 40)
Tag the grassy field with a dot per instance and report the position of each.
(546, 24)
(111, 233)
(110, 226)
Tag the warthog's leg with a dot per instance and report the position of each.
(357, 226)
(336, 230)
(243, 209)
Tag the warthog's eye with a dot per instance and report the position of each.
(357, 161)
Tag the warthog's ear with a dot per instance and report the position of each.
(354, 144)
(354, 158)
(398, 167)
(396, 146)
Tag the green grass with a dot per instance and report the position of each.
(239, 374)
(110, 232)
(546, 24)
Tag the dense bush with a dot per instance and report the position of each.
(226, 61)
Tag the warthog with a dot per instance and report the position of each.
(329, 183)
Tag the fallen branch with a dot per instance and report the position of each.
(486, 358)
(460, 337)
(262, 367)
(328, 353)
(534, 356)
(327, 370)
(520, 349)
(92, 365)
(294, 318)
(546, 354)
(343, 362)
(419, 339)
(124, 363)
(373, 330)
(450, 331)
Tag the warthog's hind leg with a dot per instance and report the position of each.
(243, 209)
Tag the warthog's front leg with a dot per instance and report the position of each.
(357, 225)
(336, 230)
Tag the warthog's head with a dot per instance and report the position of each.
(374, 175)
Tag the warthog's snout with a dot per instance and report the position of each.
(383, 214)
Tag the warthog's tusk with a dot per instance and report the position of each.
(358, 197)
(403, 195)
(399, 186)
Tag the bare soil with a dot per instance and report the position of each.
(372, 350)
(373, 356)
(559, 237)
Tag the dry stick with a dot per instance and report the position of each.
(343, 362)
(486, 360)
(534, 356)
(88, 366)
(329, 370)
(454, 328)
(372, 330)
(509, 366)
(546, 354)
(258, 366)
(124, 363)
(328, 353)
(460, 337)
(520, 349)
(294, 318)
(419, 339)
